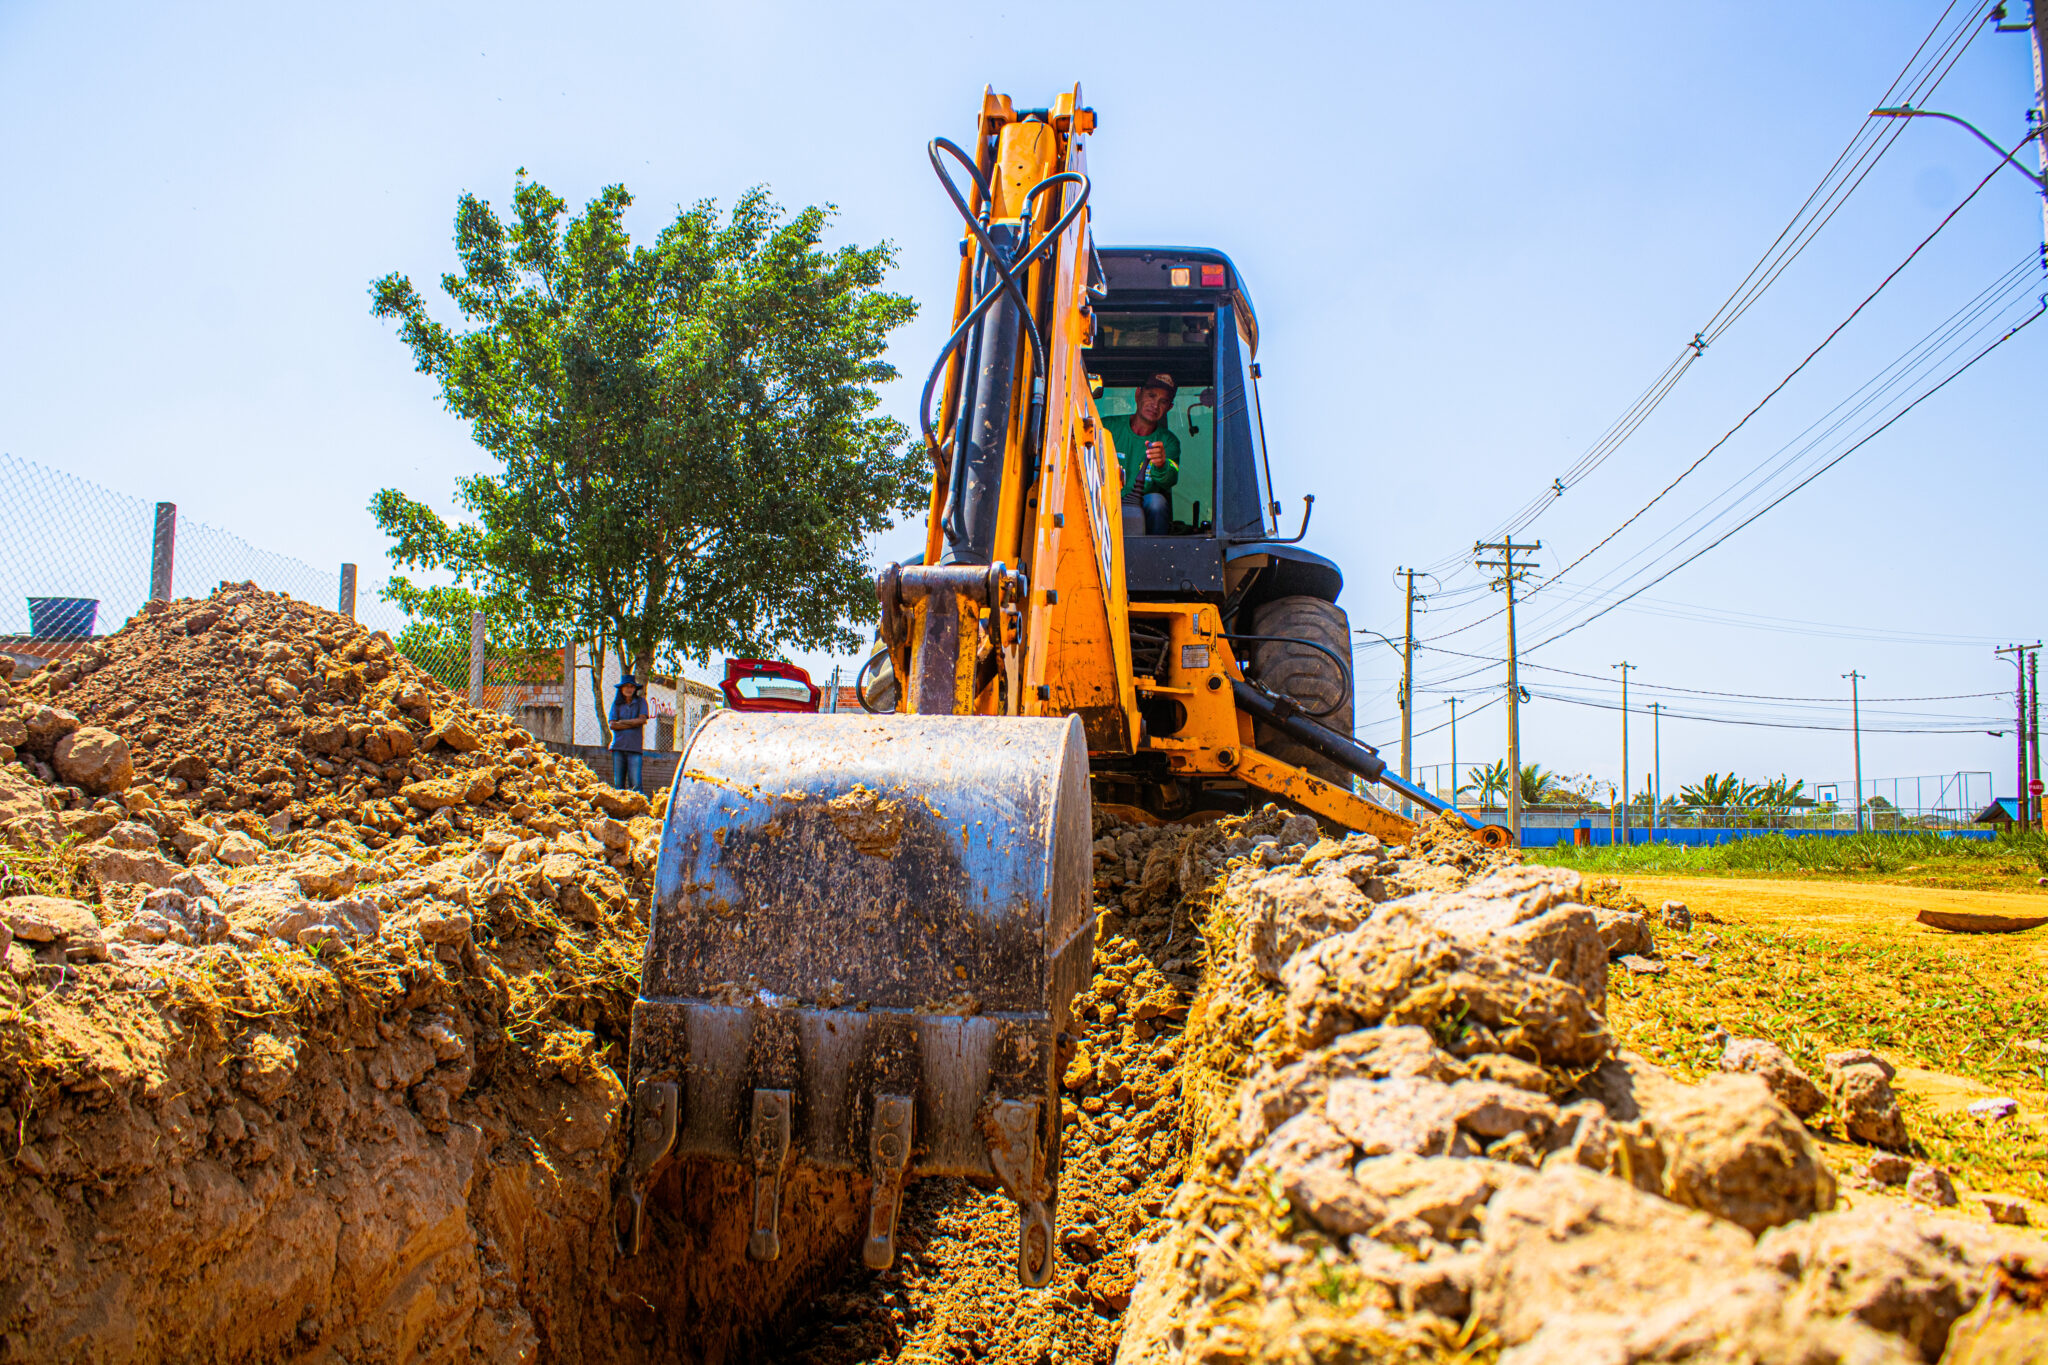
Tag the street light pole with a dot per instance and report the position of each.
(1856, 721)
(2038, 115)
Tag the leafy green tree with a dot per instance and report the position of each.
(689, 457)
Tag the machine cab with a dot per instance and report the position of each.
(1183, 312)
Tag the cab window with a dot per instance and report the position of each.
(1132, 346)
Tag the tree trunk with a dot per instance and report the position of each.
(598, 703)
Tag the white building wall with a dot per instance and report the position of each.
(587, 728)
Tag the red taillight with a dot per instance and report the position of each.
(1212, 277)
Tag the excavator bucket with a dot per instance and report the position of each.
(865, 936)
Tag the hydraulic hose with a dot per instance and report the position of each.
(1009, 281)
(1343, 665)
(1346, 753)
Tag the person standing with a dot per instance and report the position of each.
(629, 718)
(1150, 452)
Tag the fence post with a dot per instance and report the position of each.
(161, 552)
(348, 591)
(476, 658)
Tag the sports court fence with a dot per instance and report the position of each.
(1930, 802)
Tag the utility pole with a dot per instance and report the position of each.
(1625, 666)
(1657, 757)
(2022, 800)
(2040, 120)
(2037, 29)
(1856, 721)
(1408, 685)
(1507, 549)
(1454, 751)
(2034, 723)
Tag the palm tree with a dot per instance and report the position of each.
(1714, 790)
(1489, 781)
(1539, 784)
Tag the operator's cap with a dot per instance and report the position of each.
(1161, 381)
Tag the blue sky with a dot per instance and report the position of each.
(1474, 235)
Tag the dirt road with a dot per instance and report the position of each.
(1857, 911)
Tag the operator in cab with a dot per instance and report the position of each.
(1150, 453)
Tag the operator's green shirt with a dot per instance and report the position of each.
(1140, 476)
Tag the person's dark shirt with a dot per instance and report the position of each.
(622, 709)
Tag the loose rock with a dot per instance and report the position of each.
(1766, 1060)
(1998, 1107)
(94, 760)
(1859, 1082)
(1930, 1184)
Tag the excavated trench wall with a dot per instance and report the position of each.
(1416, 1140)
(317, 986)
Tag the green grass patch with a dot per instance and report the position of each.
(1957, 1008)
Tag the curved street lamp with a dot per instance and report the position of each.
(1908, 111)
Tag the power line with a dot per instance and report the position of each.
(1723, 616)
(1765, 400)
(1954, 374)
(1701, 691)
(1768, 724)
(1988, 300)
(1774, 261)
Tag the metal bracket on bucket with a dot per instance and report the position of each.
(940, 605)
(655, 1105)
(889, 1156)
(768, 1145)
(1019, 1162)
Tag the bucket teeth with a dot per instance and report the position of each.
(654, 1137)
(768, 1146)
(866, 934)
(1018, 1159)
(888, 1156)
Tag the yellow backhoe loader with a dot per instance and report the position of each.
(867, 929)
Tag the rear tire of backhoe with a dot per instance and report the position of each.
(1307, 677)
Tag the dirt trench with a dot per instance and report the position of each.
(316, 993)
(316, 998)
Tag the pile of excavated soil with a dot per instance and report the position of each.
(317, 988)
(1413, 1138)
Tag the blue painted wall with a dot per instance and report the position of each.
(1536, 837)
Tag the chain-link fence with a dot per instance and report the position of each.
(1935, 801)
(82, 559)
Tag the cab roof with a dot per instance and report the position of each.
(1145, 274)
